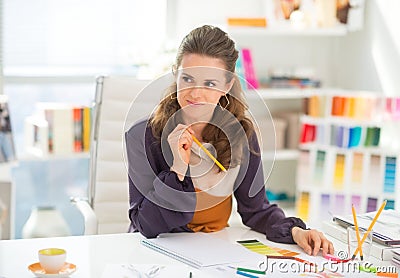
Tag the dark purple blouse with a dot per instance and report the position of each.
(161, 203)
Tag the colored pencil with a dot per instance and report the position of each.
(208, 153)
(353, 210)
(250, 270)
(371, 225)
(245, 274)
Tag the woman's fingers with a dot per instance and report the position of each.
(303, 243)
(180, 141)
(312, 241)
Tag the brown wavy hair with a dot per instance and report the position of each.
(212, 42)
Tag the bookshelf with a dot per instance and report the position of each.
(331, 173)
(350, 154)
(58, 130)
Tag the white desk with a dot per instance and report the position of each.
(91, 254)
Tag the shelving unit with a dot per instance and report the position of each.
(364, 175)
(286, 154)
(284, 93)
(345, 168)
(282, 46)
(288, 30)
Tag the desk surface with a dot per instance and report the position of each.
(91, 254)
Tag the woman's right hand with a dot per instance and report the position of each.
(180, 141)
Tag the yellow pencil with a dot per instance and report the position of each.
(353, 210)
(371, 225)
(208, 153)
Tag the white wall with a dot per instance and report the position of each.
(370, 59)
(193, 13)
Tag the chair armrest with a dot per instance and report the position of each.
(89, 216)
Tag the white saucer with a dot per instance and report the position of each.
(38, 271)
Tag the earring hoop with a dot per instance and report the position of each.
(171, 95)
(227, 102)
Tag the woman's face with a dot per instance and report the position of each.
(201, 82)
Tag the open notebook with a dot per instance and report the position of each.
(200, 249)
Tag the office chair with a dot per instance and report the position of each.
(106, 208)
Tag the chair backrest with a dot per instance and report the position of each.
(108, 180)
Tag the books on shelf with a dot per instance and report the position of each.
(61, 130)
(245, 69)
(292, 82)
(58, 129)
(303, 205)
(392, 108)
(78, 129)
(364, 107)
(343, 136)
(308, 133)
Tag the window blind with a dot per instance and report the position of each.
(76, 33)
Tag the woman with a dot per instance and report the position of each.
(174, 186)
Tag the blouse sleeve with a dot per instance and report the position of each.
(253, 205)
(159, 201)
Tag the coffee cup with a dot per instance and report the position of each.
(52, 259)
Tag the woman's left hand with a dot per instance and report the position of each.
(312, 241)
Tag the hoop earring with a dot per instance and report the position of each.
(227, 102)
(172, 97)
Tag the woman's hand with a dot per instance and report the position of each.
(312, 241)
(180, 141)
